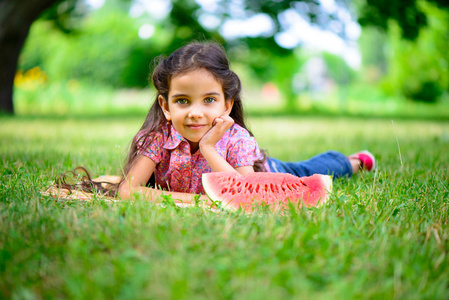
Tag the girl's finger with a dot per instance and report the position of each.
(218, 121)
(226, 118)
(228, 121)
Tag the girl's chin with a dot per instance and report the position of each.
(195, 138)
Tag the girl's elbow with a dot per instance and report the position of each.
(245, 170)
(124, 192)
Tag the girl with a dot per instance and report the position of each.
(196, 125)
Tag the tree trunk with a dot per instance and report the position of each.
(16, 18)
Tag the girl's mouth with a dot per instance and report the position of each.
(195, 126)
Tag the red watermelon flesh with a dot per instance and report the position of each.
(274, 189)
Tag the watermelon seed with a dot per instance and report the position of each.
(224, 190)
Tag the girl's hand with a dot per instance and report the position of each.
(221, 124)
(207, 147)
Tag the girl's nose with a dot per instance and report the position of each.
(195, 112)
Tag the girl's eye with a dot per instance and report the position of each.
(209, 100)
(181, 101)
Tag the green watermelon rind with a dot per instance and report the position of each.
(326, 181)
(210, 190)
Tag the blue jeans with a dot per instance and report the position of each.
(328, 163)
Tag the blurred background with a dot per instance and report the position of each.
(330, 57)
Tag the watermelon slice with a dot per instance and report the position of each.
(264, 188)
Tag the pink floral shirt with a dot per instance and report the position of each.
(180, 171)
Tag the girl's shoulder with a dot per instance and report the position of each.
(238, 135)
(238, 131)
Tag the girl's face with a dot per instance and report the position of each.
(195, 100)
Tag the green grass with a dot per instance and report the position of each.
(383, 234)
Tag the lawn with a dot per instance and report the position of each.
(383, 234)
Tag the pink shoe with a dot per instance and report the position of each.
(368, 162)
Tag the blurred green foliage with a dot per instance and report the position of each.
(419, 69)
(408, 15)
(338, 69)
(106, 52)
(103, 48)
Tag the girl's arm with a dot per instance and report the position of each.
(138, 177)
(207, 147)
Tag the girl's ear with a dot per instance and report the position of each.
(228, 106)
(164, 105)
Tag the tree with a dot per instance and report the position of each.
(16, 18)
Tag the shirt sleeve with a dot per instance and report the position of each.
(150, 145)
(242, 149)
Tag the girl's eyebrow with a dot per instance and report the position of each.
(205, 94)
(178, 95)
